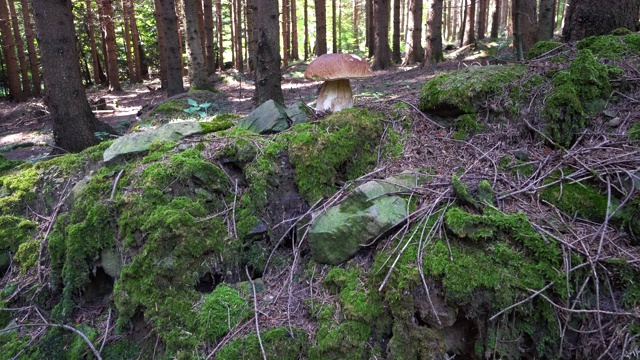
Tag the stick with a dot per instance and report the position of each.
(66, 327)
(255, 311)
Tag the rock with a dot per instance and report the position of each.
(139, 142)
(110, 262)
(268, 118)
(298, 112)
(521, 154)
(615, 122)
(372, 209)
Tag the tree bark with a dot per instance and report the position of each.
(285, 32)
(95, 62)
(238, 36)
(9, 51)
(220, 35)
(433, 50)
(22, 59)
(173, 51)
(415, 52)
(268, 76)
(517, 28)
(306, 31)
(294, 31)
(197, 68)
(470, 35)
(495, 20)
(396, 33)
(251, 38)
(110, 43)
(208, 36)
(482, 18)
(528, 23)
(321, 27)
(127, 40)
(137, 47)
(334, 27)
(546, 19)
(356, 9)
(463, 23)
(31, 48)
(74, 125)
(382, 51)
(162, 52)
(588, 18)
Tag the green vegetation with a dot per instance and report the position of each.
(282, 343)
(221, 311)
(614, 46)
(541, 48)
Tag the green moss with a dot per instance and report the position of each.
(614, 46)
(15, 230)
(17, 187)
(279, 343)
(6, 165)
(217, 124)
(466, 125)
(542, 47)
(27, 254)
(340, 148)
(221, 311)
(634, 131)
(467, 89)
(121, 350)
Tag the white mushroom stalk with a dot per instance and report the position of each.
(336, 70)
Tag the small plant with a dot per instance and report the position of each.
(200, 109)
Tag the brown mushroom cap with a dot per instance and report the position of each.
(338, 66)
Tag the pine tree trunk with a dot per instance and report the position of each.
(454, 20)
(31, 47)
(339, 26)
(334, 28)
(306, 31)
(208, 36)
(197, 68)
(137, 47)
(517, 28)
(528, 23)
(127, 40)
(173, 51)
(74, 125)
(22, 59)
(415, 52)
(164, 82)
(495, 20)
(251, 39)
(546, 19)
(89, 23)
(482, 16)
(470, 35)
(238, 36)
(294, 31)
(203, 44)
(396, 33)
(285, 32)
(356, 40)
(9, 51)
(588, 18)
(268, 75)
(463, 22)
(220, 35)
(433, 50)
(321, 27)
(110, 43)
(371, 27)
(382, 55)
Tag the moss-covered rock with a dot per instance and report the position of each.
(464, 92)
(174, 108)
(614, 46)
(281, 343)
(221, 311)
(542, 47)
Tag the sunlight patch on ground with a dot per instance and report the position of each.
(22, 137)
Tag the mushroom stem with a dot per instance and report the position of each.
(335, 95)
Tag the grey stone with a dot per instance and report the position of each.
(268, 118)
(141, 141)
(110, 262)
(298, 112)
(368, 212)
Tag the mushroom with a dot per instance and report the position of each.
(336, 70)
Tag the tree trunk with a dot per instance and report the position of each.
(334, 30)
(528, 23)
(339, 26)
(164, 82)
(110, 43)
(285, 32)
(371, 27)
(294, 31)
(268, 76)
(546, 22)
(238, 36)
(415, 52)
(463, 23)
(9, 51)
(203, 45)
(433, 51)
(197, 68)
(127, 40)
(22, 59)
(455, 17)
(31, 47)
(517, 28)
(251, 38)
(495, 20)
(470, 35)
(356, 41)
(74, 125)
(588, 17)
(92, 43)
(137, 47)
(173, 51)
(482, 19)
(306, 31)
(208, 36)
(396, 33)
(220, 35)
(382, 51)
(321, 27)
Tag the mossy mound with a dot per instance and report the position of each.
(542, 47)
(174, 108)
(614, 46)
(281, 343)
(466, 91)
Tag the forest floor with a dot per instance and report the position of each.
(26, 128)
